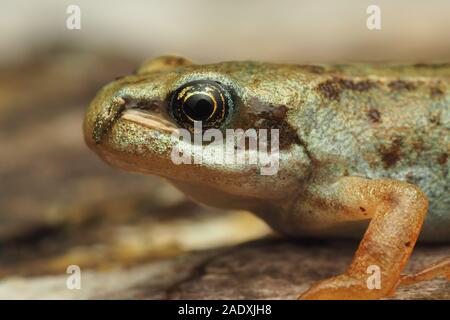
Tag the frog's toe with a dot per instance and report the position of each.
(438, 269)
(342, 287)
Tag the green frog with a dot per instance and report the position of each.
(362, 152)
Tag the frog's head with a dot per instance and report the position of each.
(134, 123)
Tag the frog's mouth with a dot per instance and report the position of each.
(146, 113)
(149, 120)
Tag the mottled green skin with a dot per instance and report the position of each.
(363, 120)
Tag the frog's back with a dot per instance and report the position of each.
(422, 70)
(384, 121)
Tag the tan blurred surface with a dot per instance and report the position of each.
(205, 31)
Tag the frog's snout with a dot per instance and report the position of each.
(100, 117)
(105, 119)
(147, 113)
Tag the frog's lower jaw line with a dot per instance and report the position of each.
(149, 120)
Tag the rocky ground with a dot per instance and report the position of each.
(261, 269)
(132, 236)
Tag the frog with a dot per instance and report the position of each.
(363, 152)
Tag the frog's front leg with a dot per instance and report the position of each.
(397, 211)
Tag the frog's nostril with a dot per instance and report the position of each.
(105, 119)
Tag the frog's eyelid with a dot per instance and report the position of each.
(163, 63)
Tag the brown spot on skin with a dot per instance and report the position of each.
(399, 85)
(391, 199)
(330, 89)
(276, 120)
(410, 177)
(362, 209)
(313, 69)
(390, 154)
(357, 86)
(442, 159)
(418, 146)
(436, 92)
(270, 112)
(435, 118)
(280, 112)
(333, 88)
(374, 115)
(261, 115)
(407, 244)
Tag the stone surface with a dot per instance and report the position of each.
(262, 269)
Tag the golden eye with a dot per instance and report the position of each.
(202, 100)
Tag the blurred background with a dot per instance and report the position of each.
(59, 204)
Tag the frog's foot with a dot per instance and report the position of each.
(343, 287)
(347, 287)
(438, 269)
(397, 211)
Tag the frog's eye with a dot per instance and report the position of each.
(202, 100)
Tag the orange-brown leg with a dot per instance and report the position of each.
(397, 211)
(438, 269)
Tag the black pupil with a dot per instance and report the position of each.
(198, 107)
